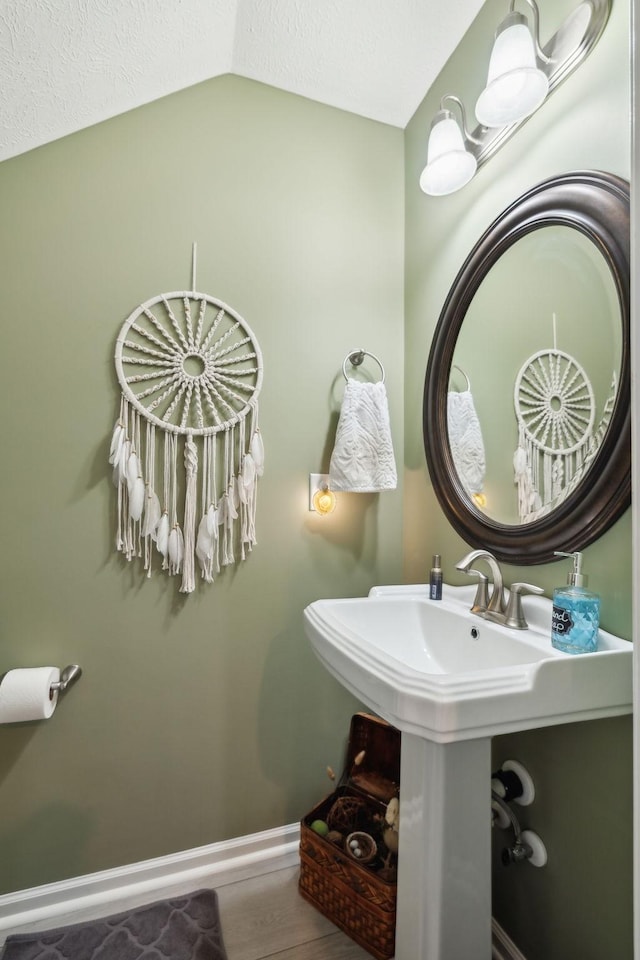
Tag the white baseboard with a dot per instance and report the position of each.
(502, 947)
(217, 864)
(213, 865)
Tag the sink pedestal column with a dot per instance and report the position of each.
(444, 858)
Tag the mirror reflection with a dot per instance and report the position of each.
(535, 330)
(534, 375)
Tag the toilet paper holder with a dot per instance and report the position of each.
(67, 676)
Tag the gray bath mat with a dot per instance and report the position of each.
(183, 928)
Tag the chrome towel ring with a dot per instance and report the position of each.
(356, 357)
(454, 366)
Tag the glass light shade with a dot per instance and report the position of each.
(515, 85)
(449, 164)
(324, 501)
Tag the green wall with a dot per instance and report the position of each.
(206, 717)
(580, 904)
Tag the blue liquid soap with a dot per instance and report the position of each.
(576, 613)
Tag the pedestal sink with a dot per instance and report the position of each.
(449, 681)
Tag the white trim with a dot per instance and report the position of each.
(502, 946)
(222, 863)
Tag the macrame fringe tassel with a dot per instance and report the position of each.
(152, 508)
(207, 538)
(162, 538)
(146, 518)
(191, 472)
(175, 550)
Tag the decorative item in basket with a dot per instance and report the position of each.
(361, 846)
(347, 814)
(391, 826)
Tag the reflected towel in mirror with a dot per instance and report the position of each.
(465, 440)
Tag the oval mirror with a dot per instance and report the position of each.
(527, 424)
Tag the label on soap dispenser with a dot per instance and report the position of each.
(561, 621)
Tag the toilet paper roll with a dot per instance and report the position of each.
(25, 694)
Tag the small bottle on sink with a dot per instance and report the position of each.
(435, 579)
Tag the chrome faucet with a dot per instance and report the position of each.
(495, 607)
(496, 603)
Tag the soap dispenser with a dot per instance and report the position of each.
(576, 612)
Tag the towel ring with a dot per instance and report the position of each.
(454, 366)
(356, 357)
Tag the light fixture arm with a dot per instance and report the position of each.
(465, 130)
(540, 54)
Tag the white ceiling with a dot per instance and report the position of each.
(67, 64)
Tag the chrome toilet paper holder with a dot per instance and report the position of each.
(67, 676)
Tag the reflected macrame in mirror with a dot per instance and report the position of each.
(539, 357)
(526, 406)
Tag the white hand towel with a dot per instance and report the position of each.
(465, 440)
(362, 460)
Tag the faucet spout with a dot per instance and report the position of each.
(497, 603)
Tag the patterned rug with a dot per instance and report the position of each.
(182, 928)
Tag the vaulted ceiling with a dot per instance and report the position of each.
(67, 64)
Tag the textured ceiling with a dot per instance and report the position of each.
(66, 64)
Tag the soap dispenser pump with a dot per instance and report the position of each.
(576, 611)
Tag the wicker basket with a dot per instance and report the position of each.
(355, 896)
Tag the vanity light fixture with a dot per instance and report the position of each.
(516, 84)
(521, 74)
(450, 165)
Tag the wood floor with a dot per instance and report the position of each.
(267, 917)
(262, 917)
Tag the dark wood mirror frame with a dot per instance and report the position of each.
(596, 204)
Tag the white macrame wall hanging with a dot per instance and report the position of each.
(555, 411)
(190, 371)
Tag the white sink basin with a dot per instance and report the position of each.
(433, 669)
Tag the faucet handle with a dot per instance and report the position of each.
(514, 616)
(481, 600)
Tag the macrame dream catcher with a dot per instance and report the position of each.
(555, 410)
(186, 449)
